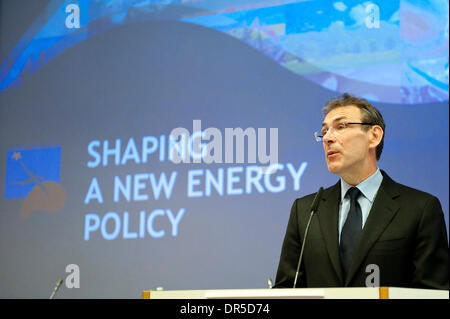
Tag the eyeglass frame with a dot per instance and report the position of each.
(319, 138)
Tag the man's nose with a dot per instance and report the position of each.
(329, 137)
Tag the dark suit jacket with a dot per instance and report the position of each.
(404, 235)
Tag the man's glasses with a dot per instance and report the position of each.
(338, 129)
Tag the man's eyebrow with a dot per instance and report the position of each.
(335, 120)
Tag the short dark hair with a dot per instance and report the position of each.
(369, 113)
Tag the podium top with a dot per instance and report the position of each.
(300, 293)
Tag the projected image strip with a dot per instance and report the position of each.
(397, 55)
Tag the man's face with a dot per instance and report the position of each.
(346, 150)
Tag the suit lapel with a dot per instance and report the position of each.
(328, 215)
(383, 211)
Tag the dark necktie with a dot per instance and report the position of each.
(351, 229)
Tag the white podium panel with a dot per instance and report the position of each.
(300, 293)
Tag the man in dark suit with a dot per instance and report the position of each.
(366, 224)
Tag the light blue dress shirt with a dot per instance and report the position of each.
(369, 189)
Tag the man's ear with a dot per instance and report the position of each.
(376, 135)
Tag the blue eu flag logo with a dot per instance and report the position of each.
(35, 175)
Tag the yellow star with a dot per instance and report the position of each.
(16, 156)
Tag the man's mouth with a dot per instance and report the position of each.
(331, 154)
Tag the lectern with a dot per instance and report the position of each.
(300, 293)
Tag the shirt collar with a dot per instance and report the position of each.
(368, 187)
